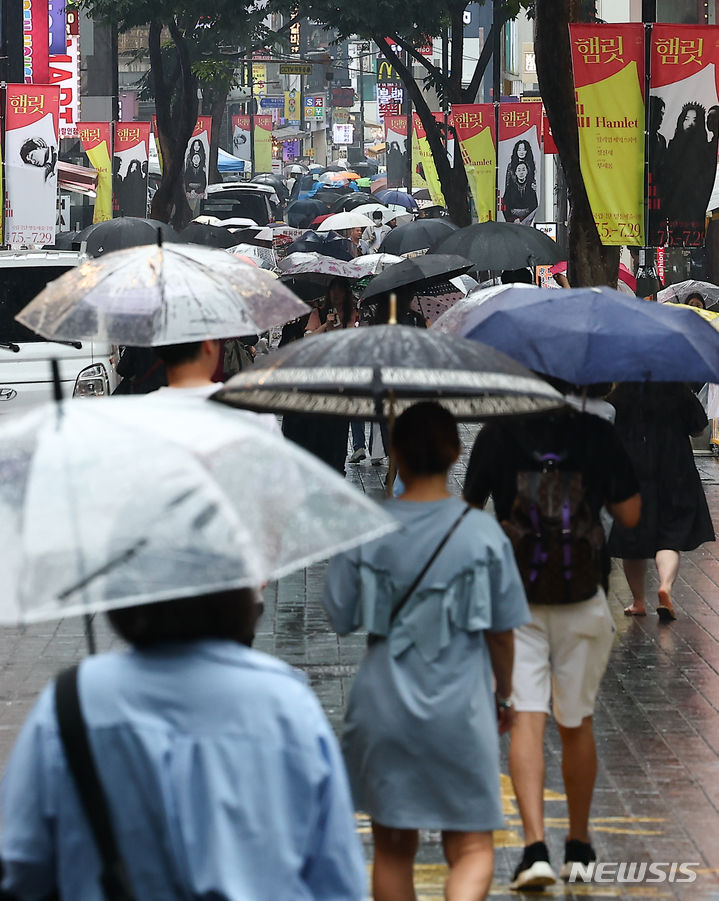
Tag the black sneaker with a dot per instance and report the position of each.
(534, 870)
(580, 853)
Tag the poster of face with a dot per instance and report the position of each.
(683, 132)
(519, 162)
(395, 128)
(241, 137)
(31, 144)
(197, 163)
(129, 168)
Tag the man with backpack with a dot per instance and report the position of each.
(549, 477)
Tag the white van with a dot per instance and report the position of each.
(87, 369)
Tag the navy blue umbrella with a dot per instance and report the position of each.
(399, 198)
(301, 213)
(590, 335)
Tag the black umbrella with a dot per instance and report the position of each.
(274, 181)
(422, 194)
(333, 169)
(127, 231)
(421, 270)
(352, 201)
(365, 168)
(417, 236)
(208, 235)
(329, 195)
(64, 241)
(502, 245)
(330, 244)
(304, 288)
(301, 213)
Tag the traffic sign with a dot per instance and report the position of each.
(295, 69)
(272, 102)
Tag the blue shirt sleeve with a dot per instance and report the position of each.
(509, 601)
(342, 592)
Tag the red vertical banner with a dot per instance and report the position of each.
(197, 163)
(241, 145)
(608, 63)
(130, 162)
(519, 162)
(31, 144)
(263, 144)
(395, 130)
(476, 135)
(547, 137)
(36, 41)
(683, 132)
(96, 140)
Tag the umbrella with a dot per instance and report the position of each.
(421, 270)
(208, 235)
(417, 237)
(296, 169)
(264, 257)
(328, 244)
(300, 213)
(421, 194)
(126, 231)
(364, 182)
(364, 372)
(153, 500)
(590, 335)
(373, 263)
(341, 221)
(316, 267)
(400, 198)
(352, 201)
(149, 296)
(682, 290)
(307, 290)
(442, 296)
(334, 177)
(501, 245)
(274, 181)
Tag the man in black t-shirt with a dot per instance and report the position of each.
(562, 653)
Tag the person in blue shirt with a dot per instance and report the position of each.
(222, 775)
(422, 722)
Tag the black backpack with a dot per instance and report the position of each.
(557, 539)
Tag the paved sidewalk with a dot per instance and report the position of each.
(657, 722)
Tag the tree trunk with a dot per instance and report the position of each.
(589, 263)
(217, 111)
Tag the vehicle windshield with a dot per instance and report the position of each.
(18, 286)
(228, 205)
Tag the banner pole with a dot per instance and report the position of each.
(408, 113)
(251, 82)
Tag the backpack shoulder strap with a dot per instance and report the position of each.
(73, 733)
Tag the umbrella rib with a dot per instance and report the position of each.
(124, 557)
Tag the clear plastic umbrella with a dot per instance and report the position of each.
(341, 221)
(149, 296)
(135, 500)
(679, 292)
(316, 267)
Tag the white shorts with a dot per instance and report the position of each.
(561, 655)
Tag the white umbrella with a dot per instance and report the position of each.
(341, 221)
(135, 500)
(148, 296)
(316, 267)
(372, 264)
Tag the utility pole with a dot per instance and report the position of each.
(251, 107)
(362, 48)
(647, 280)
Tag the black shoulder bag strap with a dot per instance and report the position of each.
(114, 879)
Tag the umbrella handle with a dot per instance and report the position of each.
(392, 317)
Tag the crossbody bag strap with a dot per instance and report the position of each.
(73, 733)
(410, 591)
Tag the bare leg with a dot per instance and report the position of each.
(668, 570)
(392, 875)
(470, 856)
(579, 769)
(526, 767)
(636, 573)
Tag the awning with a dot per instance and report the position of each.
(80, 179)
(289, 134)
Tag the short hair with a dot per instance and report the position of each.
(230, 615)
(698, 296)
(29, 145)
(521, 276)
(177, 354)
(426, 439)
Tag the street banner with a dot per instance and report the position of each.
(395, 130)
(519, 162)
(425, 171)
(96, 140)
(129, 166)
(65, 73)
(608, 63)
(263, 144)
(475, 127)
(241, 145)
(58, 25)
(293, 99)
(36, 41)
(683, 132)
(197, 163)
(547, 137)
(31, 143)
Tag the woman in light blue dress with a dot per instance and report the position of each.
(421, 728)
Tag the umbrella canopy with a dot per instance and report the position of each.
(679, 292)
(417, 237)
(126, 231)
(207, 235)
(501, 245)
(373, 263)
(421, 193)
(328, 244)
(435, 300)
(353, 372)
(153, 500)
(421, 270)
(264, 257)
(316, 267)
(300, 213)
(275, 181)
(352, 201)
(453, 319)
(149, 296)
(400, 198)
(295, 169)
(330, 178)
(340, 221)
(590, 335)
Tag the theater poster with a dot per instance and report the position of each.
(519, 162)
(263, 144)
(96, 140)
(475, 127)
(196, 171)
(31, 146)
(241, 143)
(608, 63)
(683, 132)
(129, 166)
(395, 130)
(424, 171)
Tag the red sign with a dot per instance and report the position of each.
(36, 41)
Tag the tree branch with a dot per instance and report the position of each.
(417, 57)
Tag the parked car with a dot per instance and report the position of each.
(251, 201)
(87, 369)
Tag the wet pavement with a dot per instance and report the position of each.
(657, 719)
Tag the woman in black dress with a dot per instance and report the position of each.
(655, 421)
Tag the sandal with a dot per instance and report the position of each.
(629, 612)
